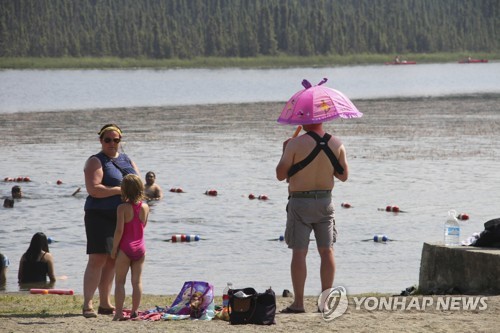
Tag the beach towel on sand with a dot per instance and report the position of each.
(195, 300)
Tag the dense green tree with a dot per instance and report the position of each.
(268, 44)
(191, 28)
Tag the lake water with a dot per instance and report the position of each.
(426, 155)
(47, 90)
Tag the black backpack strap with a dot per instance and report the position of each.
(321, 144)
(305, 162)
(333, 159)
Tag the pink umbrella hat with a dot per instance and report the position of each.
(317, 104)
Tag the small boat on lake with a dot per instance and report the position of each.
(472, 61)
(404, 62)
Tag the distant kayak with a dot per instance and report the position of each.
(404, 62)
(472, 61)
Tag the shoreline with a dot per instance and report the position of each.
(55, 313)
(261, 62)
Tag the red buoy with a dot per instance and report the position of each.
(212, 193)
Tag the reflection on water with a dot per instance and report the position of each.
(425, 155)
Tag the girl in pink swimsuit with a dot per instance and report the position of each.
(128, 243)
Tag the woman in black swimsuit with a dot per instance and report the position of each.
(37, 263)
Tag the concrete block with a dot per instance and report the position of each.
(459, 269)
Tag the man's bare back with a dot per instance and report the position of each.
(320, 173)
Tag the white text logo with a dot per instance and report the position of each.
(444, 303)
(333, 303)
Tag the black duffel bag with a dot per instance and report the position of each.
(490, 236)
(247, 306)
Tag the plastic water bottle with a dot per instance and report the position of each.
(452, 230)
(225, 294)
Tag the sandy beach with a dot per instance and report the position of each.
(353, 320)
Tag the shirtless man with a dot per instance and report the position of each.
(151, 190)
(310, 205)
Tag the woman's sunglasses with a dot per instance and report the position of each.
(108, 140)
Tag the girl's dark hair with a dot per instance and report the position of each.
(2, 261)
(38, 243)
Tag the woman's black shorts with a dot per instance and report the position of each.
(100, 228)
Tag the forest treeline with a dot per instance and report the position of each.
(185, 29)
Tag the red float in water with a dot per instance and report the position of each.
(212, 193)
(394, 209)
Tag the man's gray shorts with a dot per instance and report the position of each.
(310, 212)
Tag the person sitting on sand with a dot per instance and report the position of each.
(152, 190)
(37, 263)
